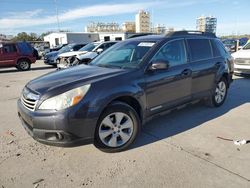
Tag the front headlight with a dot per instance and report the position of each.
(65, 100)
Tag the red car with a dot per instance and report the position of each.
(19, 55)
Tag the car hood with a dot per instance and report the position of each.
(88, 55)
(241, 54)
(76, 76)
(50, 54)
(74, 53)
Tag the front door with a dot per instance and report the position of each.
(170, 87)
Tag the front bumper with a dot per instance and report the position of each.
(64, 129)
(241, 69)
(50, 62)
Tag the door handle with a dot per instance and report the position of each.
(186, 72)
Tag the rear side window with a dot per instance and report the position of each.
(9, 48)
(200, 49)
(218, 48)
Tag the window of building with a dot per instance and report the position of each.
(200, 49)
(107, 38)
(118, 38)
(57, 41)
(173, 52)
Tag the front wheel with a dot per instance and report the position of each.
(117, 128)
(220, 94)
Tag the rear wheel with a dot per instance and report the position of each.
(23, 65)
(220, 94)
(117, 128)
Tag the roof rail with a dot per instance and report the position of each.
(199, 33)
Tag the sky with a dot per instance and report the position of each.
(39, 16)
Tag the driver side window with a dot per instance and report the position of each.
(173, 52)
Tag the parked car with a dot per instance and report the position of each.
(230, 44)
(19, 55)
(106, 102)
(243, 41)
(52, 58)
(84, 55)
(242, 60)
(58, 47)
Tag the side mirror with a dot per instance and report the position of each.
(99, 50)
(159, 65)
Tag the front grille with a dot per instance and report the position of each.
(29, 100)
(242, 61)
(28, 103)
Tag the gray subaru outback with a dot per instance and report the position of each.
(108, 101)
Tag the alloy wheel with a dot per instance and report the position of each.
(116, 129)
(24, 65)
(220, 92)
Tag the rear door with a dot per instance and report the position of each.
(170, 87)
(8, 55)
(204, 66)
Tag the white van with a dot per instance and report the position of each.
(242, 60)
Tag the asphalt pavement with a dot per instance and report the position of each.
(181, 149)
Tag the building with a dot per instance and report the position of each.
(115, 36)
(103, 27)
(159, 29)
(206, 24)
(142, 22)
(69, 37)
(169, 30)
(128, 27)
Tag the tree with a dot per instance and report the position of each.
(44, 34)
(23, 36)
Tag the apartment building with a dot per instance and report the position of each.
(206, 24)
(142, 22)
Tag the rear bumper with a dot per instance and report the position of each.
(33, 60)
(57, 129)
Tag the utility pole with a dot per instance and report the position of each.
(57, 18)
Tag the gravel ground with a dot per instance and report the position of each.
(180, 149)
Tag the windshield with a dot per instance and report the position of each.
(89, 47)
(247, 46)
(127, 54)
(65, 49)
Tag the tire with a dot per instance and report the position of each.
(219, 95)
(23, 65)
(86, 61)
(112, 136)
